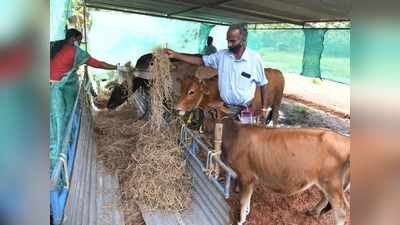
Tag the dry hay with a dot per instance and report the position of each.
(161, 90)
(150, 166)
(161, 160)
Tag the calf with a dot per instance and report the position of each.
(288, 161)
(196, 93)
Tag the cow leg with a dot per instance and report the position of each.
(246, 188)
(236, 186)
(316, 211)
(275, 116)
(346, 180)
(339, 208)
(337, 199)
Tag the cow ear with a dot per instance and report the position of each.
(204, 90)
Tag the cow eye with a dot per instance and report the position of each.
(191, 92)
(151, 64)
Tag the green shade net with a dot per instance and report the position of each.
(128, 36)
(62, 99)
(59, 12)
(280, 49)
(313, 47)
(335, 59)
(204, 32)
(325, 56)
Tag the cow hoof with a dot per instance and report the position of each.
(311, 212)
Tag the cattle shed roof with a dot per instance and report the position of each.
(226, 12)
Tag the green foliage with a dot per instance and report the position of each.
(76, 18)
(300, 110)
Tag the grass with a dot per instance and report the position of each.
(300, 109)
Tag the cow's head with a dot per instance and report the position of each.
(121, 92)
(118, 96)
(144, 66)
(193, 92)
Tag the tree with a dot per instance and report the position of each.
(77, 18)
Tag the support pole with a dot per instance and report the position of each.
(86, 79)
(217, 147)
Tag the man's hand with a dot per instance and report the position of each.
(169, 53)
(122, 68)
(196, 60)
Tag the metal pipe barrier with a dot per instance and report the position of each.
(192, 144)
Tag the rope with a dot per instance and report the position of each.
(63, 159)
(209, 163)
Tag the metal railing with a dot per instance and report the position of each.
(192, 145)
(61, 173)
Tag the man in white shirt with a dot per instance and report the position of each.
(240, 70)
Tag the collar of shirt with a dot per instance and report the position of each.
(245, 56)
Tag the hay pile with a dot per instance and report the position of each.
(150, 166)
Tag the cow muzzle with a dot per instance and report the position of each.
(180, 112)
(179, 109)
(143, 74)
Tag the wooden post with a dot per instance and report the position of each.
(217, 146)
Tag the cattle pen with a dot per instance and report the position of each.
(86, 192)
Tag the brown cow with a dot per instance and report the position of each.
(287, 160)
(196, 93)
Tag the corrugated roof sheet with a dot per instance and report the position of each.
(234, 11)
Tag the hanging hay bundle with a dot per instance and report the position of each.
(161, 90)
(150, 166)
(160, 157)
